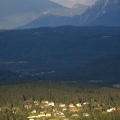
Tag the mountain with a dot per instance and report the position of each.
(77, 9)
(103, 12)
(47, 21)
(57, 19)
(15, 13)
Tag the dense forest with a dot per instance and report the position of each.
(8, 77)
(50, 52)
(105, 68)
(99, 99)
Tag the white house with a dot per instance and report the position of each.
(36, 102)
(41, 115)
(85, 114)
(75, 115)
(71, 105)
(48, 114)
(64, 109)
(78, 105)
(51, 104)
(60, 113)
(85, 103)
(44, 102)
(27, 106)
(34, 111)
(111, 109)
(62, 105)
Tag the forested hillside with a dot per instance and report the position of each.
(105, 69)
(16, 98)
(52, 51)
(55, 49)
(8, 77)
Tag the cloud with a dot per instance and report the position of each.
(70, 3)
(54, 0)
(82, 1)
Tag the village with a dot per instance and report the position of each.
(49, 110)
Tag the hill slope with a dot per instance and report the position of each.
(52, 50)
(104, 69)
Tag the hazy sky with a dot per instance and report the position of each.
(70, 3)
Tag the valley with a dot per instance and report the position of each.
(59, 63)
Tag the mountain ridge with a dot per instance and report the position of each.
(18, 13)
(99, 9)
(105, 12)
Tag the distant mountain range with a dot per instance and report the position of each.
(49, 14)
(15, 13)
(103, 12)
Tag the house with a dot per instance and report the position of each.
(51, 104)
(34, 111)
(86, 114)
(62, 105)
(74, 109)
(71, 105)
(54, 110)
(66, 119)
(44, 102)
(78, 105)
(36, 102)
(41, 115)
(41, 112)
(27, 106)
(118, 109)
(98, 105)
(111, 109)
(60, 113)
(85, 103)
(74, 115)
(31, 117)
(48, 114)
(42, 106)
(15, 111)
(64, 109)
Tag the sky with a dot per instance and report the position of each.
(71, 3)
